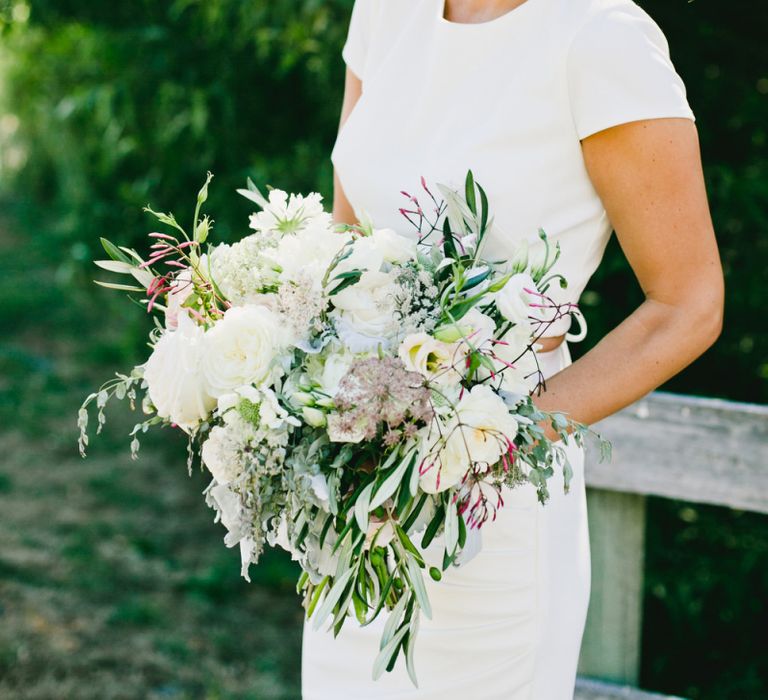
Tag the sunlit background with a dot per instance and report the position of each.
(114, 582)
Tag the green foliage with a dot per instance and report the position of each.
(118, 105)
(705, 605)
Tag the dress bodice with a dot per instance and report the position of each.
(509, 99)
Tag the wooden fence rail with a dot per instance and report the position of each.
(682, 447)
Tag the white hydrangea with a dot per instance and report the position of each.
(241, 270)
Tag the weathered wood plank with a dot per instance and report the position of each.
(696, 449)
(611, 646)
(590, 689)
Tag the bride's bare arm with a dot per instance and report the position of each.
(342, 210)
(649, 177)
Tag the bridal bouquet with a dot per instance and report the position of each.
(355, 393)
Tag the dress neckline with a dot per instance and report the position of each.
(507, 17)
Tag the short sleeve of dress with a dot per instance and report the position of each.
(619, 70)
(355, 50)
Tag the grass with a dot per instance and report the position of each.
(114, 583)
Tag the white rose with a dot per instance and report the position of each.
(176, 382)
(366, 311)
(221, 455)
(365, 256)
(431, 358)
(181, 288)
(241, 347)
(479, 433)
(393, 247)
(514, 299)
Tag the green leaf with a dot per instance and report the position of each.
(113, 251)
(121, 287)
(414, 513)
(413, 484)
(433, 527)
(362, 506)
(383, 596)
(118, 266)
(451, 528)
(462, 532)
(419, 589)
(477, 279)
(132, 253)
(254, 194)
(483, 211)
(316, 595)
(393, 620)
(406, 542)
(390, 483)
(326, 528)
(349, 279)
(142, 276)
(167, 219)
(449, 245)
(384, 656)
(331, 598)
(469, 192)
(410, 644)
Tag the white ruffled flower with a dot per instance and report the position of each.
(431, 358)
(474, 327)
(176, 382)
(515, 298)
(477, 434)
(241, 348)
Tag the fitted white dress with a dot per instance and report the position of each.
(511, 99)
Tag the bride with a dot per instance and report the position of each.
(573, 118)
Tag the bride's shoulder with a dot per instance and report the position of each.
(604, 19)
(618, 66)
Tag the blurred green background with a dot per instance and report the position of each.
(113, 580)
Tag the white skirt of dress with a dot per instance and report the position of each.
(507, 625)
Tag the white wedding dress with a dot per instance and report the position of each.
(511, 99)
